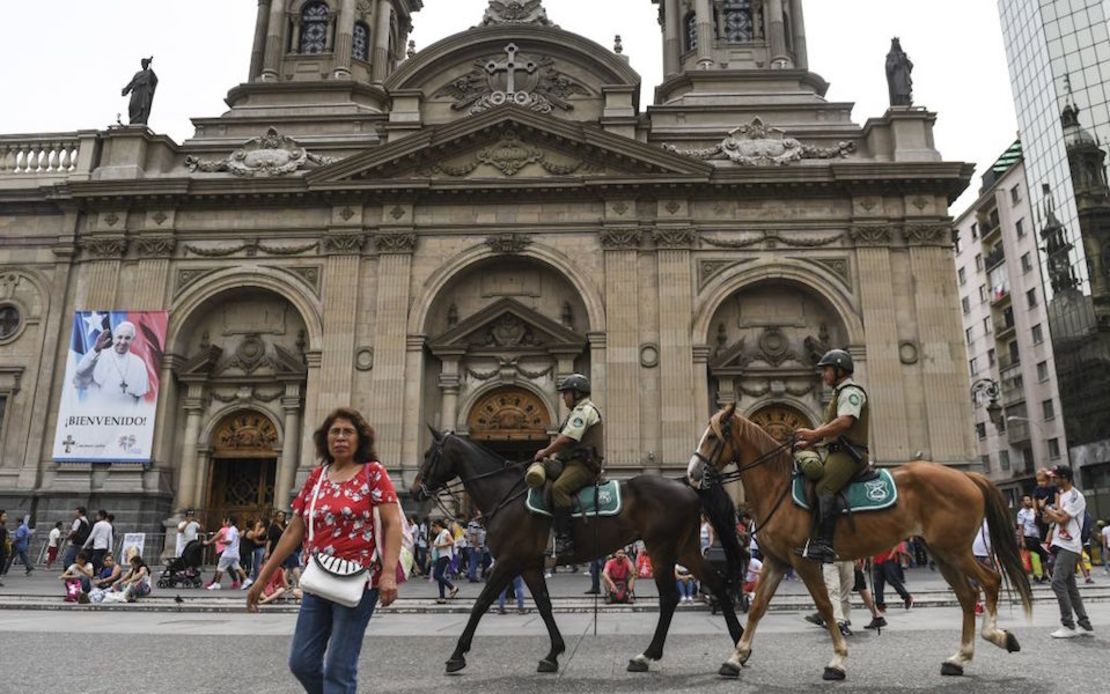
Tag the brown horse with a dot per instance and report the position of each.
(664, 513)
(944, 506)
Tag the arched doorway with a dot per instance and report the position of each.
(243, 468)
(780, 421)
(511, 421)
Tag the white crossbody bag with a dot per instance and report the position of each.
(339, 580)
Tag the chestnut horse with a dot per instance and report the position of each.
(664, 513)
(944, 506)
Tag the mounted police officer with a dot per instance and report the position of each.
(579, 450)
(845, 432)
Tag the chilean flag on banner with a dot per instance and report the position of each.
(150, 335)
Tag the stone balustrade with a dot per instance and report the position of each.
(47, 154)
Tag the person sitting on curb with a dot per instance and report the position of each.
(77, 578)
(135, 583)
(619, 578)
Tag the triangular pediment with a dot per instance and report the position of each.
(508, 326)
(508, 143)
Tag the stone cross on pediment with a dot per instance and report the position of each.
(509, 67)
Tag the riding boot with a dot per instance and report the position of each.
(564, 533)
(821, 548)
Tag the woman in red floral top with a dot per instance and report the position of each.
(343, 525)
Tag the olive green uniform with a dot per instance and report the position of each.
(581, 460)
(849, 398)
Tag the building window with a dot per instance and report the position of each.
(1015, 353)
(1042, 371)
(962, 275)
(1027, 459)
(973, 366)
(970, 334)
(979, 261)
(1019, 225)
(9, 321)
(985, 460)
(983, 293)
(990, 357)
(738, 21)
(1049, 409)
(981, 430)
(1054, 448)
(956, 242)
(1004, 460)
(974, 231)
(966, 304)
(1026, 263)
(1015, 194)
(314, 28)
(987, 329)
(691, 31)
(1038, 334)
(360, 42)
(1031, 297)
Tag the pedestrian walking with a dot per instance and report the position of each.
(1067, 514)
(78, 532)
(5, 541)
(886, 570)
(442, 549)
(229, 557)
(21, 541)
(328, 636)
(53, 543)
(100, 540)
(1031, 535)
(518, 591)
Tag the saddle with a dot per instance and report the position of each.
(609, 502)
(871, 489)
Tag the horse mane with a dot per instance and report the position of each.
(764, 443)
(482, 453)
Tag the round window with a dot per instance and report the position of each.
(10, 321)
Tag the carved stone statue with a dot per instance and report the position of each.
(898, 75)
(516, 12)
(141, 87)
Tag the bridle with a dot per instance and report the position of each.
(453, 489)
(711, 477)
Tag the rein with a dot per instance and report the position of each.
(452, 489)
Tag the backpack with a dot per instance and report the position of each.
(82, 533)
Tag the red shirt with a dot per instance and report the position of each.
(617, 569)
(883, 557)
(343, 524)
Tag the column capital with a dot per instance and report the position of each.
(395, 243)
(870, 235)
(620, 238)
(343, 244)
(675, 239)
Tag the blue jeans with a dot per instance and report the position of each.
(327, 642)
(256, 561)
(518, 588)
(686, 589)
(440, 574)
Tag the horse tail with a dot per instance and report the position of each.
(1003, 542)
(721, 512)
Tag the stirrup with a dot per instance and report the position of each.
(820, 555)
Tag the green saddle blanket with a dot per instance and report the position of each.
(608, 500)
(870, 495)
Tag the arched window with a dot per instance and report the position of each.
(738, 26)
(314, 28)
(361, 42)
(691, 31)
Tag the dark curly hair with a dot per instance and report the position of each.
(364, 451)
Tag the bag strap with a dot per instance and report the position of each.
(312, 504)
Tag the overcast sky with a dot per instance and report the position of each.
(69, 77)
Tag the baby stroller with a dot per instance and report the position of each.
(183, 570)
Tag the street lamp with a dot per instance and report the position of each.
(988, 388)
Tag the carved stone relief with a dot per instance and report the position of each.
(757, 144)
(272, 154)
(513, 78)
(509, 156)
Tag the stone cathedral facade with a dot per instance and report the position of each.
(437, 237)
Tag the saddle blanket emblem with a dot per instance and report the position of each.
(869, 495)
(608, 501)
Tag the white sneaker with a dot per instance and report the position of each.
(246, 584)
(215, 586)
(1065, 633)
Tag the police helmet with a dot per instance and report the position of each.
(837, 358)
(576, 382)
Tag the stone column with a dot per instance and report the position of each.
(100, 278)
(258, 48)
(675, 349)
(880, 320)
(801, 53)
(340, 301)
(622, 310)
(379, 59)
(599, 375)
(704, 13)
(672, 38)
(187, 486)
(414, 431)
(776, 32)
(449, 387)
(329, 35)
(287, 467)
(391, 343)
(344, 39)
(295, 44)
(702, 409)
(275, 47)
(947, 409)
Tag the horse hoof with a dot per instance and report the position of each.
(833, 674)
(1012, 645)
(548, 666)
(952, 670)
(730, 671)
(455, 664)
(635, 665)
